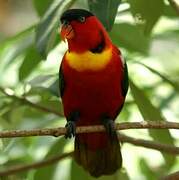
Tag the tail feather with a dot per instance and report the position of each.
(102, 161)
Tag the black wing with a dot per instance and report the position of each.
(61, 82)
(124, 86)
(125, 81)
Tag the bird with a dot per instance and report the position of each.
(93, 83)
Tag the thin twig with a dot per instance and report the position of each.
(89, 129)
(173, 176)
(123, 138)
(175, 5)
(149, 144)
(29, 103)
(17, 169)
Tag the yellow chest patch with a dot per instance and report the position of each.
(88, 60)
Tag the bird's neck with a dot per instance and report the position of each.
(89, 61)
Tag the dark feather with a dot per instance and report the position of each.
(124, 86)
(105, 161)
(125, 81)
(74, 14)
(100, 46)
(61, 82)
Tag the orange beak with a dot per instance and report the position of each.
(67, 32)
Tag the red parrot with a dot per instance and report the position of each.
(93, 86)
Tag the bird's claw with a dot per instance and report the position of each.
(110, 127)
(70, 129)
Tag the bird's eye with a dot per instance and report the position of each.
(81, 19)
(65, 23)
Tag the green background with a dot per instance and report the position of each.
(146, 31)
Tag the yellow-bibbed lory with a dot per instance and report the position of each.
(93, 86)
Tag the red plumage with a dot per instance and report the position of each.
(93, 93)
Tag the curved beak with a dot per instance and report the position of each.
(67, 32)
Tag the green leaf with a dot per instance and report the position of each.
(123, 175)
(105, 10)
(148, 111)
(41, 79)
(175, 85)
(128, 36)
(15, 46)
(54, 105)
(77, 172)
(54, 88)
(46, 32)
(57, 147)
(146, 13)
(147, 170)
(48, 171)
(31, 60)
(169, 12)
(152, 113)
(42, 5)
(17, 36)
(165, 102)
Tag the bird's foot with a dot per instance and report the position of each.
(110, 127)
(70, 129)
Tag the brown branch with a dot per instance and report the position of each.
(29, 103)
(123, 138)
(17, 169)
(174, 5)
(173, 176)
(89, 129)
(149, 144)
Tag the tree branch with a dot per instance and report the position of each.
(123, 138)
(149, 144)
(174, 5)
(173, 176)
(29, 103)
(17, 169)
(89, 129)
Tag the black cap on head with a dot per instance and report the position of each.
(74, 14)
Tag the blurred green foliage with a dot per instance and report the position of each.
(147, 34)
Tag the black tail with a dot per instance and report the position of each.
(104, 161)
